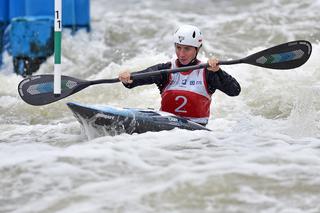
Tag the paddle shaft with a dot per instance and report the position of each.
(137, 75)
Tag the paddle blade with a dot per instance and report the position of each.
(38, 90)
(284, 56)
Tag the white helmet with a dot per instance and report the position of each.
(188, 35)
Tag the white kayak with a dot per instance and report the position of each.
(114, 121)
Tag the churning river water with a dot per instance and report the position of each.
(263, 154)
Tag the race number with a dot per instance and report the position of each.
(184, 102)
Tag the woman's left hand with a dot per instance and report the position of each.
(213, 64)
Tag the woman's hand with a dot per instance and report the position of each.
(125, 76)
(213, 64)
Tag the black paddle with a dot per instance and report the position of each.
(38, 90)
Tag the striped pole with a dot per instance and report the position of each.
(57, 46)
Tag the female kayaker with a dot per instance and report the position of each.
(187, 94)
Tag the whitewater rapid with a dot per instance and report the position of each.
(263, 154)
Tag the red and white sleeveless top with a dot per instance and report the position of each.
(187, 95)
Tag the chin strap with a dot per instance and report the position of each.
(195, 58)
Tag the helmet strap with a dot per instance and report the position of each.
(198, 49)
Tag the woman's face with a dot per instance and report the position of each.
(185, 53)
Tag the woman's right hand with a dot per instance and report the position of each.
(125, 76)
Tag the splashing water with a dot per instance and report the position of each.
(261, 156)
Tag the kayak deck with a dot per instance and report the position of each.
(113, 121)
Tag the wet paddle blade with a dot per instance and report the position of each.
(38, 90)
(284, 56)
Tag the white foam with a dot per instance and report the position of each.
(263, 152)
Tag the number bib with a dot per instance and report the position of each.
(186, 95)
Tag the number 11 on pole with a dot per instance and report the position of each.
(57, 47)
